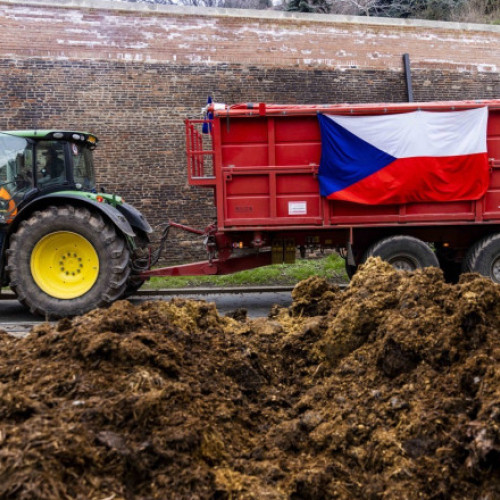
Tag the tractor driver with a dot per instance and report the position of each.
(50, 166)
(53, 164)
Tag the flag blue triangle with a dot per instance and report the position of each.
(346, 158)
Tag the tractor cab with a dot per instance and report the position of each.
(64, 248)
(37, 162)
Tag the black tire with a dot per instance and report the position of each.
(76, 224)
(405, 253)
(139, 262)
(133, 284)
(484, 258)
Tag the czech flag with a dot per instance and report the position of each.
(403, 158)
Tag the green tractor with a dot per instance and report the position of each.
(65, 248)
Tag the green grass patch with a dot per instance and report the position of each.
(330, 267)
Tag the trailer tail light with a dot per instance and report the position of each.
(258, 240)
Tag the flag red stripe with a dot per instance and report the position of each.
(407, 180)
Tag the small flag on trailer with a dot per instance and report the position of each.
(207, 125)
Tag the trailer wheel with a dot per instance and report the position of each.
(64, 261)
(484, 258)
(405, 253)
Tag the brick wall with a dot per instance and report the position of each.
(131, 74)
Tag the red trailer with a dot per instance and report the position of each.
(263, 163)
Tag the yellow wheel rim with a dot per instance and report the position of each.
(64, 265)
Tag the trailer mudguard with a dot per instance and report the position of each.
(110, 212)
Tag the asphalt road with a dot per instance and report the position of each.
(15, 319)
(257, 304)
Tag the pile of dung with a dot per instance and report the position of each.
(390, 389)
(405, 399)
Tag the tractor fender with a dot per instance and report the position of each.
(134, 217)
(116, 217)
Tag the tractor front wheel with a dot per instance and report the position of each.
(64, 261)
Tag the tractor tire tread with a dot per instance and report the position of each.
(475, 254)
(107, 290)
(396, 240)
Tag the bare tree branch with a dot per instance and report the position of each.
(455, 10)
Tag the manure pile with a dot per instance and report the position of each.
(390, 390)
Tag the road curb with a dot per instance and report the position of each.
(172, 292)
(168, 292)
(215, 290)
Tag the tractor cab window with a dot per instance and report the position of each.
(83, 167)
(50, 163)
(16, 173)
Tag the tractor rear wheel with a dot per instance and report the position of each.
(64, 261)
(139, 261)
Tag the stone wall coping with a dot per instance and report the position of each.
(265, 15)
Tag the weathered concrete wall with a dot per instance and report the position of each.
(90, 29)
(131, 74)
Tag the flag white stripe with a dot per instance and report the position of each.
(422, 133)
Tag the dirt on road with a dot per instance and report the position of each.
(390, 389)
